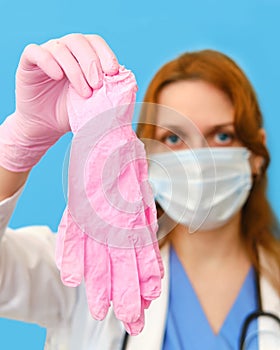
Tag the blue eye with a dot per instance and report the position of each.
(172, 139)
(223, 137)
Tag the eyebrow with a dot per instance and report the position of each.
(173, 128)
(214, 128)
(179, 128)
(225, 124)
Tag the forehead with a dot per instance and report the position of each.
(199, 102)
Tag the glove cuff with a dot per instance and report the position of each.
(17, 152)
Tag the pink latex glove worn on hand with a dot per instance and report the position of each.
(108, 231)
(42, 81)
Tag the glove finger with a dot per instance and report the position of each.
(151, 215)
(159, 259)
(149, 272)
(108, 60)
(35, 55)
(146, 303)
(150, 207)
(70, 66)
(97, 278)
(134, 328)
(88, 59)
(60, 237)
(125, 284)
(72, 263)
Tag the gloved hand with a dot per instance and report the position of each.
(108, 231)
(42, 81)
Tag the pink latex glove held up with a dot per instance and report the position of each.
(108, 231)
(42, 81)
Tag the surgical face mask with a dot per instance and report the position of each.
(201, 188)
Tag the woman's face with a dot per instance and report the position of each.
(205, 117)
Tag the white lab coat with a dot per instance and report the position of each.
(31, 291)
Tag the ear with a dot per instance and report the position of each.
(257, 161)
(262, 134)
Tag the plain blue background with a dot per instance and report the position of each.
(144, 35)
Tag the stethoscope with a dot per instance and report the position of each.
(259, 312)
(247, 322)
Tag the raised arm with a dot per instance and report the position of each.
(40, 119)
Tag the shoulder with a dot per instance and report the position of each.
(34, 235)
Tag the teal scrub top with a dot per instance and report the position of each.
(187, 326)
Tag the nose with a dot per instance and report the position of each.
(197, 141)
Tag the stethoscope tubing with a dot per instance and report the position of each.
(252, 316)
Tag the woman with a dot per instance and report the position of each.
(209, 286)
(215, 95)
